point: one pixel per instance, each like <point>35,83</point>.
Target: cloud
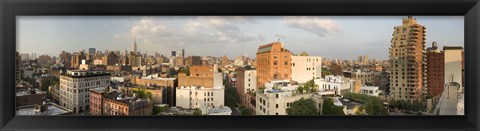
<point>312,24</point>
<point>262,37</point>
<point>205,31</point>
<point>280,36</point>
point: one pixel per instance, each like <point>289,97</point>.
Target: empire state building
<point>134,45</point>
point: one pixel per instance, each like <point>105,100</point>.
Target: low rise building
<point>156,82</point>
<point>340,85</point>
<point>193,61</point>
<point>367,78</point>
<point>200,98</point>
<point>277,97</point>
<point>43,109</point>
<point>370,90</point>
<point>224,110</point>
<point>30,96</point>
<point>105,101</point>
<point>349,107</point>
<point>246,82</point>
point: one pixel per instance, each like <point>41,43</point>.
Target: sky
<point>333,37</point>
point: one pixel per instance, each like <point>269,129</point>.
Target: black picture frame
<point>470,9</point>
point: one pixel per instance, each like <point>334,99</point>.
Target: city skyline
<point>327,36</point>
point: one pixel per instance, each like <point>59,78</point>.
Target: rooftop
<point>219,110</point>
<point>198,88</point>
<point>53,109</point>
<point>29,92</point>
<point>98,90</point>
<point>85,73</point>
<point>155,77</point>
<point>452,48</point>
<point>349,103</point>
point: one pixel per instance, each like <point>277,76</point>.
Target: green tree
<point>143,93</point>
<point>300,89</point>
<point>302,107</point>
<point>157,110</point>
<point>197,112</point>
<point>326,72</point>
<point>309,86</point>
<point>230,95</point>
<point>331,109</point>
<point>372,105</point>
<point>406,106</point>
<point>244,111</point>
<point>49,82</point>
<point>185,70</point>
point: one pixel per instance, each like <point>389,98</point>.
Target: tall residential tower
<point>407,60</point>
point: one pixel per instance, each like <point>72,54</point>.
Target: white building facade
<point>250,81</point>
<point>277,97</point>
<point>338,84</point>
<point>276,102</point>
<point>75,85</point>
<point>200,98</point>
<point>453,64</point>
<point>370,90</point>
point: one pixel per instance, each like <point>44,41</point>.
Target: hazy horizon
<point>341,37</point>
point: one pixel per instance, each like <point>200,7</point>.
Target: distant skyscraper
<point>408,60</point>
<point>92,51</point>
<point>174,53</point>
<point>134,45</point>
<point>183,53</point>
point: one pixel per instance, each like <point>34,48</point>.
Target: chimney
<point>32,91</point>
<point>44,107</point>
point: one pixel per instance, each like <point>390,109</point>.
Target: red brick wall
<point>95,103</point>
<point>30,99</point>
<point>435,73</point>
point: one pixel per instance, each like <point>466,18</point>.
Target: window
<point>276,105</point>
<point>276,95</point>
<point>274,62</point>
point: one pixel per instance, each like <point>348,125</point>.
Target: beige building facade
<point>408,60</point>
